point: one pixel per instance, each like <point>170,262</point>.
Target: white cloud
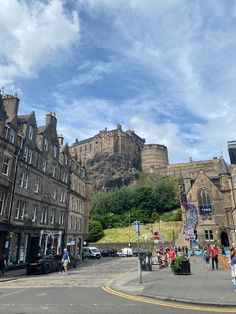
<point>34,34</point>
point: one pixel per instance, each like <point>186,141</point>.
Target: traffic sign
<point>137,225</point>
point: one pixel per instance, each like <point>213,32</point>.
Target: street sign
<point>137,226</point>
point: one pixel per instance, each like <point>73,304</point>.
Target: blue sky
<point>163,68</point>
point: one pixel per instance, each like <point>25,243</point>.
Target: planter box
<point>184,269</point>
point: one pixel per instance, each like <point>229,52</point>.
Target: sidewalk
<point>206,287</point>
<point>12,274</point>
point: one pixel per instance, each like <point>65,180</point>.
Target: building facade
<point>35,186</point>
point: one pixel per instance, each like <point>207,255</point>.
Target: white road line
<point>15,292</point>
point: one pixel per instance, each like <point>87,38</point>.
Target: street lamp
<point>138,227</point>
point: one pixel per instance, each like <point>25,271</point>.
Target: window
<point>55,151</point>
<point>24,180</point>
<point>54,193</point>
<point>2,201</point>
<point>28,153</point>
<point>5,165</point>
<point>44,215</point>
<point>71,222</point>
<point>61,218</point>
<point>36,186</point>
<point>53,217</point>
<point>204,203</point>
<point>80,224</point>
<point>31,132</point>
<point>44,166</point>
<point>11,135</point>
<point>20,210</point>
<point>54,171</point>
<point>208,235</point>
<point>46,144</point>
<point>66,159</point>
<point>35,210</point>
<point>75,223</point>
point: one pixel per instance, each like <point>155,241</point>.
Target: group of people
<point>211,253</point>
<point>164,256</point>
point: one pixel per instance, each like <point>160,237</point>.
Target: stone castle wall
<point>108,142</point>
<point>153,157</point>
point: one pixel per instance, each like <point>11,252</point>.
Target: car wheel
<point>28,272</point>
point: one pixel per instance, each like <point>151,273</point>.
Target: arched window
<point>204,202</point>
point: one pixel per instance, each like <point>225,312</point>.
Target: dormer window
<point>31,132</point>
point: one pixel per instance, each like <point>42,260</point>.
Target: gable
<point>201,182</point>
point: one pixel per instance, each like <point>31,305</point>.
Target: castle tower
<point>154,156</point>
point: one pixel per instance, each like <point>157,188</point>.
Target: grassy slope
<point>166,229</point>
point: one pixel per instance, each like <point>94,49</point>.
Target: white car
<point>120,253</point>
<point>125,252</point>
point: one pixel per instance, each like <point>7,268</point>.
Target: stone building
<point>36,199</point>
<point>78,208</point>
<point>8,149</point>
<point>209,216</point>
<point>108,142</point>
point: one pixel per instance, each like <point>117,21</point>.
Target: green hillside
<point>166,229</point>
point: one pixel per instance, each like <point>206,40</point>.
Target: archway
<point>224,239</point>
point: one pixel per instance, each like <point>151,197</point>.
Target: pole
<point>129,228</point>
<point>139,260</point>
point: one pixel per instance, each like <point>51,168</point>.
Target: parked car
<point>140,251</point>
<point>72,264</point>
<point>91,252</point>
<point>125,252</point>
<point>42,264</point>
<point>120,253</point>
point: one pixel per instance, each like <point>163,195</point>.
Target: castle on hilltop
<point>208,187</point>
<point>128,143</point>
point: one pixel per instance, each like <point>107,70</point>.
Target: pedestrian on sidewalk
<point>66,260</point>
<point>233,267</point>
<point>2,265</point>
<point>206,256</point>
<point>214,256</point>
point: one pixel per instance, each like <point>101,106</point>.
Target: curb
<point>187,301</point>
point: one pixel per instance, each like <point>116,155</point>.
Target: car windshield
<point>94,250</point>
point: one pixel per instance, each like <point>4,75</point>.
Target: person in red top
<point>171,254</point>
<point>214,256</point>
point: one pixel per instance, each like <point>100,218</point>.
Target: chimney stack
<point>11,105</point>
<point>61,139</point>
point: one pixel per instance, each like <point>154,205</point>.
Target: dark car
<point>140,251</point>
<point>72,264</point>
<point>42,264</point>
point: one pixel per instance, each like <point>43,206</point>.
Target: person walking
<point>2,265</point>
<point>65,260</point>
<point>233,267</point>
<point>214,256</point>
<point>206,257</point>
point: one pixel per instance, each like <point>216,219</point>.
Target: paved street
<point>80,292</point>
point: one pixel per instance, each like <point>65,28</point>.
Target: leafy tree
<point>95,230</point>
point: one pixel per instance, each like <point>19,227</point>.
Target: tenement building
<point>35,189</point>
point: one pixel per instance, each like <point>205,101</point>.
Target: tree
<point>95,230</point>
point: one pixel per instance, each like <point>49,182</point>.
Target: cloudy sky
<point>163,68</point>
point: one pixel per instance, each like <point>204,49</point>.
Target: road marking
<point>106,287</point>
<point>5,295</point>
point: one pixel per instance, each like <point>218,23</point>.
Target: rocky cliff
<point>107,172</point>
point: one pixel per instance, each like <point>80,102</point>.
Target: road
<point>79,292</point>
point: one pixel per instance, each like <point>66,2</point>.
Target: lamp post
<point>138,227</point>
